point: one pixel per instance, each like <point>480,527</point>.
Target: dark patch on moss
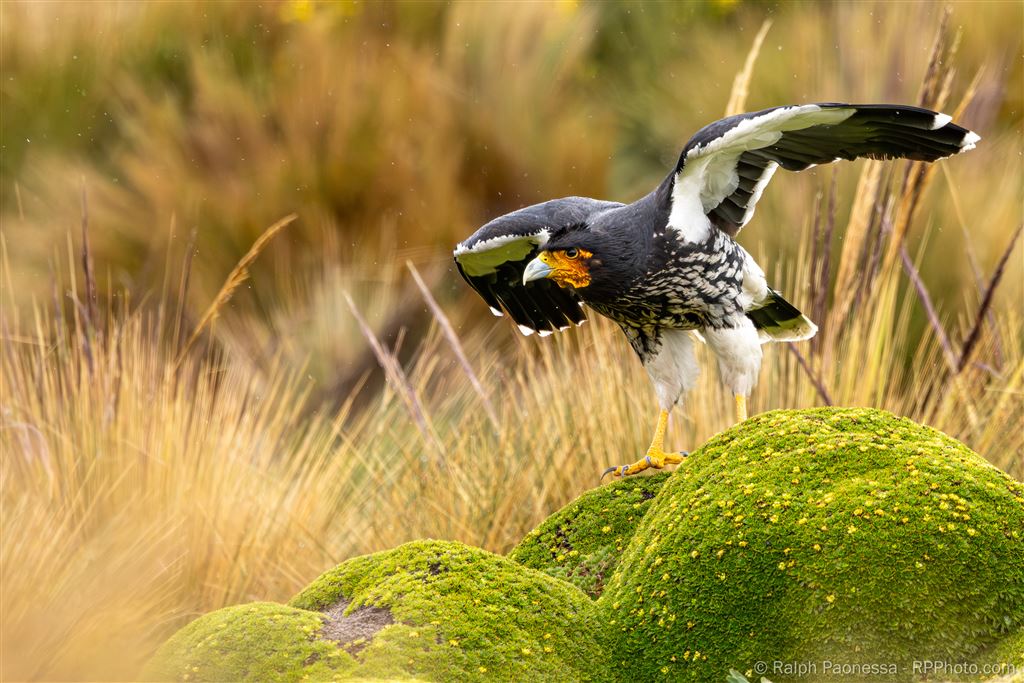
<point>843,534</point>
<point>354,631</point>
<point>582,542</point>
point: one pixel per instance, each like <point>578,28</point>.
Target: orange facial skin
<point>569,267</point>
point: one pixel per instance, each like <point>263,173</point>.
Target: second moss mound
<point>261,641</point>
<point>461,613</point>
<point>582,542</point>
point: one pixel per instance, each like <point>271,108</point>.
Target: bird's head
<point>580,259</point>
<point>568,267</point>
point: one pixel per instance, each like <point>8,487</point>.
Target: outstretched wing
<point>493,259</point>
<point>725,167</point>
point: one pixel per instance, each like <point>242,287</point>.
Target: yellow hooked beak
<point>538,268</point>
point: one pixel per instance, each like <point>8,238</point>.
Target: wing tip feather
<point>969,141</point>
<point>940,120</point>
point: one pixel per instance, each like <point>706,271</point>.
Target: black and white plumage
<point>668,263</point>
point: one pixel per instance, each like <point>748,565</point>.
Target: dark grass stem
<point>986,302</point>
<point>821,259</point>
<point>819,386</point>
<point>933,316</point>
<point>972,260</point>
<point>87,266</point>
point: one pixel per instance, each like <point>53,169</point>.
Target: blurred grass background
<point>143,483</point>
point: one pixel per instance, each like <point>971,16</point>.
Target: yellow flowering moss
<point>850,561</point>
<point>454,613</point>
<point>582,542</point>
<point>259,641</point>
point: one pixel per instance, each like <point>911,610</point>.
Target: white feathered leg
<point>673,370</point>
<point>738,350</point>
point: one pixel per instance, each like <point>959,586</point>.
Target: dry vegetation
<point>171,444</point>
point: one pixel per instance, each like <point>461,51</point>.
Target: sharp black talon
<point>622,471</point>
<point>608,471</point>
<point>684,454</point>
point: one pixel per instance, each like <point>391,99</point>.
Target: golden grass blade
<point>970,93</point>
<point>935,89</point>
<point>939,60</point>
<point>741,84</point>
<point>238,275</point>
<point>858,229</point>
<point>453,341</point>
<point>400,382</point>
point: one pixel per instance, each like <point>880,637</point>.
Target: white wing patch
<point>485,256</point>
<point>688,217</point>
<point>755,196</point>
<point>709,172</point>
<point>766,129</point>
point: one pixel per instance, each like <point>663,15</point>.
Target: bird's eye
<point>571,253</point>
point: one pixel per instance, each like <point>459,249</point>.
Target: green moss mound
<point>261,641</point>
<point>582,542</point>
<point>846,535</point>
<point>461,613</point>
<point>428,610</point>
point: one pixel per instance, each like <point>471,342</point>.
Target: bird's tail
<point>778,320</point>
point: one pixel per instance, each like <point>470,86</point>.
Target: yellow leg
<point>655,457</point>
<point>741,407</point>
<point>659,432</point>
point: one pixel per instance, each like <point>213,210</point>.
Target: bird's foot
<point>655,458</point>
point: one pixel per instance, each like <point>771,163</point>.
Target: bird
<point>667,267</point>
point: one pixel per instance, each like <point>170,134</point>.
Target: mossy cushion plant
<point>847,535</point>
<point>261,641</point>
<point>427,610</point>
<point>462,613</point>
<point>583,541</point>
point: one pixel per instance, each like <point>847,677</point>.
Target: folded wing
<point>492,261</point>
<point>725,167</point>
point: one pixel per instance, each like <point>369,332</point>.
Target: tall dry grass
<point>144,482</point>
<point>139,492</point>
